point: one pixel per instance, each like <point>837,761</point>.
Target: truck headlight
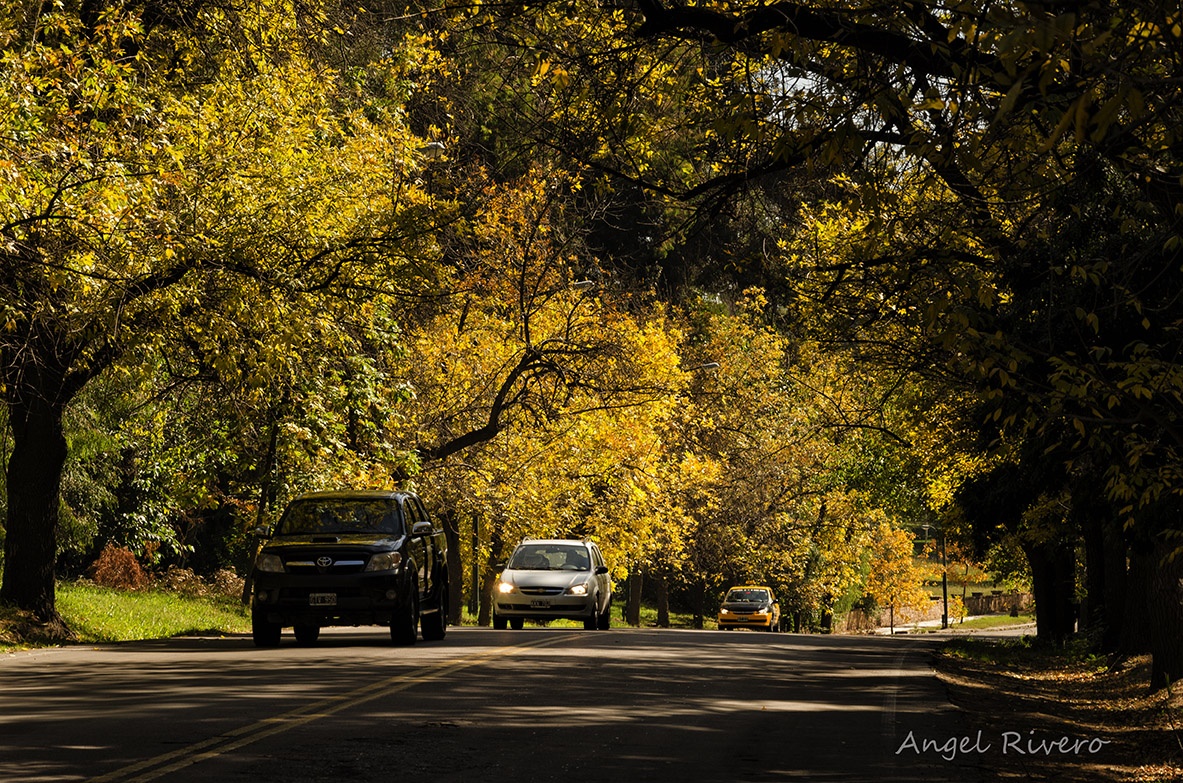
<point>384,561</point>
<point>268,563</point>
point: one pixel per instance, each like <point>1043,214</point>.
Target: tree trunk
<point>1102,613</point>
<point>698,598</point>
<point>1164,607</point>
<point>1135,627</point>
<point>662,586</point>
<point>1053,583</point>
<point>455,566</point>
<point>1092,607</point>
<point>489,576</point>
<point>636,580</point>
<point>34,486</point>
<point>266,501</point>
<point>1115,566</point>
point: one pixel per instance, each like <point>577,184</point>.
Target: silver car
<point>552,579</point>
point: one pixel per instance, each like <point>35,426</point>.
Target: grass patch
<point>1024,653</point>
<point>987,622</point>
<point>101,614</point>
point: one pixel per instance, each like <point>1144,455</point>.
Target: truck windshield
<point>322,515</point>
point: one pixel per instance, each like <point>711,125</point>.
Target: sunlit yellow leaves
<point>208,207</point>
<point>894,579</point>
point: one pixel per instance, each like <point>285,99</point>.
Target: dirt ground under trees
<point>1003,687</point>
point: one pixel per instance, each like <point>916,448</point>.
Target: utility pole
<point>944,583</point>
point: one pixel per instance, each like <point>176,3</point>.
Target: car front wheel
<point>592,623</point>
<point>265,634</point>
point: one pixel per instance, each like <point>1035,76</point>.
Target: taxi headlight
<point>580,589</point>
<point>268,563</point>
<point>384,561</point>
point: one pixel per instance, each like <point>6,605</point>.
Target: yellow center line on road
<point>172,761</point>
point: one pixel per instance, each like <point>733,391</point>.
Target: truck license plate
<point>322,599</point>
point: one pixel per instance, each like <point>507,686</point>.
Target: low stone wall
<point>998,603</point>
<point>858,621</point>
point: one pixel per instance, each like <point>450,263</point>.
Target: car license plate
<point>322,599</point>
<point>539,604</point>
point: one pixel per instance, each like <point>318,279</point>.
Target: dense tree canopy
<point>1001,215</point>
<point>743,291</point>
<point>172,184</point>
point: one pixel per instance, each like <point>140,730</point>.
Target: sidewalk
<point>955,628</point>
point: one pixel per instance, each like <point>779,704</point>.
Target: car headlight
<point>505,587</point>
<point>384,561</point>
<point>577,590</point>
<point>724,611</point>
<point>269,563</point>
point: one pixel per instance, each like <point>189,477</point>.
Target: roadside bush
<point>118,567</point>
<point>184,581</point>
<point>227,582</point>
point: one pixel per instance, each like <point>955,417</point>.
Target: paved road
<point>533,705</point>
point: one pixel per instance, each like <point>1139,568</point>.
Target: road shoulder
<point>1117,730</point>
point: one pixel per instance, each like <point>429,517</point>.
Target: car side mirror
<point>601,569</point>
<point>261,532</point>
<point>422,529</point>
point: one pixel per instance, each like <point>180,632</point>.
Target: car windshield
<point>751,596</point>
<point>550,557</point>
<point>340,515</point>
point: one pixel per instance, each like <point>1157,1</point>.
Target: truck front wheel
<point>265,634</point>
<point>404,625</point>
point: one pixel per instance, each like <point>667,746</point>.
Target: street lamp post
<point>944,583</point>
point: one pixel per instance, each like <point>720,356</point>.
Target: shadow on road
<point>539,704</point>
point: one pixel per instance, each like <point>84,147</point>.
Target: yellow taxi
<point>749,606</point>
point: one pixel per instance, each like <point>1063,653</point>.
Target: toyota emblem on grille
<point>324,562</point>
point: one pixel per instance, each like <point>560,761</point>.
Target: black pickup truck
<point>351,558</point>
